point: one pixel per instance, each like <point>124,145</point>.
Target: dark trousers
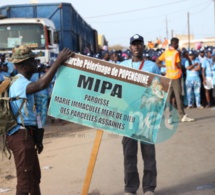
<point>176,91</point>
<point>26,162</point>
<point>131,177</point>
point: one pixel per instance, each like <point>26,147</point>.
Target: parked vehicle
<point>46,28</point>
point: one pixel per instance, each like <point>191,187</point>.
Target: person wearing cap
<point>201,55</point>
<point>172,60</point>
<point>207,76</point>
<point>105,55</point>
<point>20,139</point>
<point>131,176</point>
<point>114,57</point>
<point>193,81</point>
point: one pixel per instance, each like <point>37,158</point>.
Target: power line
<point>148,18</point>
<point>202,9</point>
<point>124,12</point>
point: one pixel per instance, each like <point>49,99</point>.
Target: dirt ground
<point>185,163</point>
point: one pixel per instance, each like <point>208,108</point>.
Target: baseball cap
<point>191,52</point>
<point>202,50</point>
<point>21,53</point>
<point>136,37</point>
<point>209,50</point>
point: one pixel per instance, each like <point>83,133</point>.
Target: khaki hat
<point>21,53</point>
<point>4,85</point>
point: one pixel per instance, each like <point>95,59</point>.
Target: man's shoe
<point>185,118</point>
<point>129,193</point>
<point>149,193</point>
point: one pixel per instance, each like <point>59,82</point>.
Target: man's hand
<point>204,82</point>
<point>64,55</point>
<point>39,148</point>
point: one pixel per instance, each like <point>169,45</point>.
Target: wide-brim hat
<point>21,53</point>
<point>4,85</point>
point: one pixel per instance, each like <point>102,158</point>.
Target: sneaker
<point>149,193</point>
<point>208,105</point>
<point>200,107</point>
<point>185,118</point>
<point>129,193</point>
<point>189,107</point>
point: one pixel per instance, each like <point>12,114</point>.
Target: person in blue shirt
<point>213,71</point>
<point>184,57</point>
<point>5,70</point>
<point>1,77</point>
<point>11,68</point>
<point>201,56</point>
<point>41,97</point>
<point>51,86</point>
<point>193,81</point>
<point>207,76</point>
<point>131,177</point>
<point>25,139</point>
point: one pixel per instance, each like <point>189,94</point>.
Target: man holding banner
<point>130,146</point>
<point>25,138</point>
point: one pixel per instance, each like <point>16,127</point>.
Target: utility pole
<point>214,16</point>
<point>167,33</point>
<point>172,33</point>
<point>188,26</point>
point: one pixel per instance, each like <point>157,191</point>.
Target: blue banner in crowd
<point>111,97</point>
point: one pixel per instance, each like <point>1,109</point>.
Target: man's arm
<point>197,67</point>
<point>179,65</point>
<point>44,81</point>
<point>159,63</point>
<point>213,67</point>
<point>204,76</point>
<point>192,66</point>
<point>203,72</point>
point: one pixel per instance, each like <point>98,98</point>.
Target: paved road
<point>186,162</point>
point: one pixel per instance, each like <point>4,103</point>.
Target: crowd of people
<point>198,71</point>
<point>198,74</point>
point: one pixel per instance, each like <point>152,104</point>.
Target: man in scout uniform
<point>131,177</point>
<point>25,139</point>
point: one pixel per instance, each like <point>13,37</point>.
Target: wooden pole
<point>92,162</point>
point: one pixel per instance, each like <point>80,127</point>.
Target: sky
<point>120,19</point>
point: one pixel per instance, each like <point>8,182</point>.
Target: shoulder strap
<point>141,65</point>
<point>24,100</point>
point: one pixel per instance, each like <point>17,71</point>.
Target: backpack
<point>7,118</point>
